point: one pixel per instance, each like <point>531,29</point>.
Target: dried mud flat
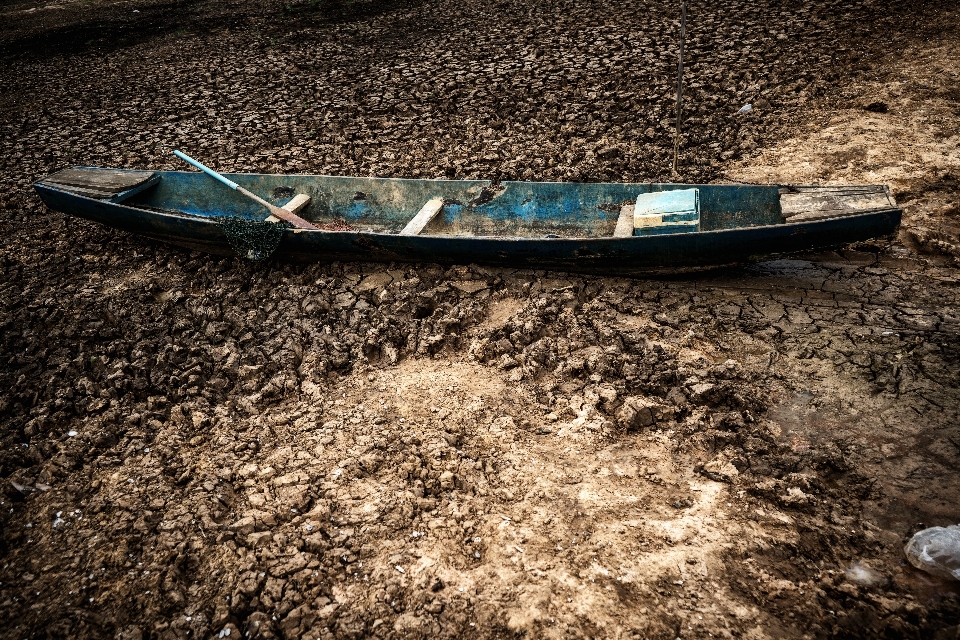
<point>193,445</point>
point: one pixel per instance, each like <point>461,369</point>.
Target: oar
<point>283,214</point>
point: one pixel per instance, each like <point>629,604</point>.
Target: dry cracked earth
<point>198,447</point>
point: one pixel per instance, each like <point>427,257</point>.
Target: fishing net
<point>254,240</point>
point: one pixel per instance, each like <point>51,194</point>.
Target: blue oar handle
<point>207,170</point>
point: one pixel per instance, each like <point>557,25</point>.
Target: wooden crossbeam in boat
<point>298,202</point>
<point>423,218</point>
<point>624,222</point>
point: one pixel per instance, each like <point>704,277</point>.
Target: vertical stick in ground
<point>683,35</point>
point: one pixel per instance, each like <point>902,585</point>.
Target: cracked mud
<point>193,445</point>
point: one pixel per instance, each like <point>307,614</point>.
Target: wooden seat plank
<point>821,202</point>
<point>296,204</point>
<point>423,218</point>
<point>624,222</point>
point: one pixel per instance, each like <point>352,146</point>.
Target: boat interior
<point>476,207</point>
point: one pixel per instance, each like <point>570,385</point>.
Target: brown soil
<point>194,445</point>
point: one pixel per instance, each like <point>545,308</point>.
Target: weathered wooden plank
<point>835,200</point>
<point>624,222</point>
<point>100,179</point>
<point>423,218</point>
<point>105,194</point>
<point>143,186</point>
<point>849,188</point>
<point>298,202</point>
<point>80,191</point>
<point>807,216</point>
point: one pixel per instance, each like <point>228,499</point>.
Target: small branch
<point>683,35</point>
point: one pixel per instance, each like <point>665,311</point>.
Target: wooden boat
<point>586,227</point>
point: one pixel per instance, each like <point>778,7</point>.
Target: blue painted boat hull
<point>739,223</point>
